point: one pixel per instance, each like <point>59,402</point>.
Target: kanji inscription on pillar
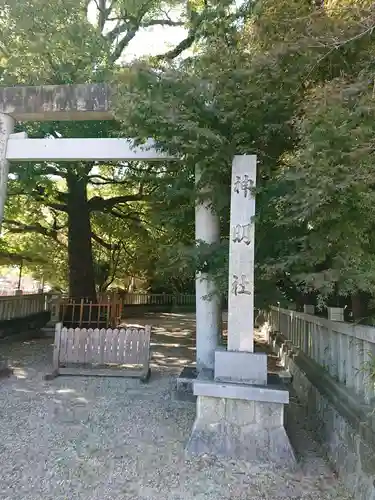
<point>239,285</point>
<point>241,255</point>
<point>243,184</point>
<point>241,233</point>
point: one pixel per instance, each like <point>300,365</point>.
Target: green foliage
<point>63,42</point>
<point>332,173</point>
<point>293,83</point>
<point>50,43</point>
<point>290,81</point>
<point>205,111</point>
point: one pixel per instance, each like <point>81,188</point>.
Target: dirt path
<point>87,438</point>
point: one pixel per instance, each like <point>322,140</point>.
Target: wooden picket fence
<point>102,352</point>
<point>83,313</point>
<point>20,306</point>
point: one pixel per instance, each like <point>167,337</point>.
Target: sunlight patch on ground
<point>19,373</point>
<point>66,390</point>
<point>131,325</point>
<point>173,315</point>
<point>153,344</point>
<point>81,400</point>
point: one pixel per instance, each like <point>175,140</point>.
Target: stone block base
<point>241,367</point>
<point>184,384</point>
<point>251,430</point>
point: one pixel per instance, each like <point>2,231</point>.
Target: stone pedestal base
<point>241,367</point>
<point>248,427</point>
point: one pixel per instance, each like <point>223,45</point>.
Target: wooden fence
<point>104,352</point>
<point>20,306</point>
<point>81,313</point>
<point>103,314</point>
<point>159,299</point>
<point>345,350</point>
<point>108,312</point>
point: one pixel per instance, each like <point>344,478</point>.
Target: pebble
<point>91,438</point>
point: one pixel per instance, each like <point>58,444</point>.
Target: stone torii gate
<point>238,414</point>
<point>93,102</point>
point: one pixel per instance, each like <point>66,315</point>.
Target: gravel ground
<point>114,438</point>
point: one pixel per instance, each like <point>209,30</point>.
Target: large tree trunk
<point>81,266</point>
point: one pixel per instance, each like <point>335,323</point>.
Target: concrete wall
<point>341,421</point>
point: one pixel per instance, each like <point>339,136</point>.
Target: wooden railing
<point>108,311</point>
<point>345,350</point>
<point>142,299</point>
<point>19,306</point>
<point>84,313</point>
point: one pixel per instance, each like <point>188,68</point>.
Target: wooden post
<point>98,317</point>
<point>90,310</point>
<point>112,310</point>
<point>55,308</point>
<point>81,314</point>
<point>73,310</point>
<point>56,349</point>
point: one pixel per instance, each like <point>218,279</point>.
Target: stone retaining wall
<point>342,423</point>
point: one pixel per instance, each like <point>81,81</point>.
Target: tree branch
<point>119,214</point>
<point>161,22</point>
<point>130,25</point>
<point>122,44</point>
<point>99,204</point>
<point>103,243</point>
<point>103,13</point>
<point>196,22</point>
<point>40,169</point>
<point>19,227</point>
<point>57,206</point>
<point>118,30</point>
<point>176,51</point>
<point>50,170</point>
<point>115,257</point>
<point>60,207</point>
<point>105,180</point>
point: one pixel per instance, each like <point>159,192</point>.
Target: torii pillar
<point>208,300</point>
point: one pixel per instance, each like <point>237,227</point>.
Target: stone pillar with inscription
<point>238,414</point>
<point>239,363</point>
